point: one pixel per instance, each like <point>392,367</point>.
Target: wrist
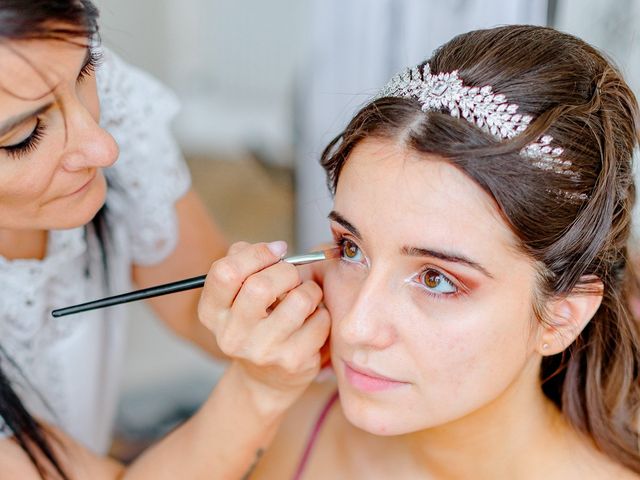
<point>266,401</point>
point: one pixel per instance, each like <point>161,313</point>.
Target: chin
<point>383,417</point>
<point>387,420</point>
<point>374,419</point>
<point>399,413</point>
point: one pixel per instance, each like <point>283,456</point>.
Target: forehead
<point>393,194</point>
<point>30,69</point>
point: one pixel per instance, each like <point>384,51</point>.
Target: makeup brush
<point>181,285</point>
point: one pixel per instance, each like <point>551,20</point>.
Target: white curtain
<point>356,46</point>
<point>614,28</point>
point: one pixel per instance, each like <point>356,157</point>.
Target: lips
<point>368,380</point>
<point>83,186</point>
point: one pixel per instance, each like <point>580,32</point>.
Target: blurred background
<point>264,86</point>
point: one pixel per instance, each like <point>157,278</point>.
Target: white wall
<point>231,62</point>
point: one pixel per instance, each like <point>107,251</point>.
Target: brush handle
<point>167,288</point>
<point>179,286</point>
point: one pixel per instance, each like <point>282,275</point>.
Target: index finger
<point>226,276</point>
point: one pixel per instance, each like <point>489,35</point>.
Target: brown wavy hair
<point>574,227</point>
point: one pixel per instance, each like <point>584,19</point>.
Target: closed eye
<point>93,61</point>
<point>28,144</point>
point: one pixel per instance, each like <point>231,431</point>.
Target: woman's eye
<point>90,67</point>
<point>28,144</point>
<point>436,282</point>
<point>350,251</point>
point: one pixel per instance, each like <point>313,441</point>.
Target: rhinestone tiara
<point>478,105</point>
<point>481,107</point>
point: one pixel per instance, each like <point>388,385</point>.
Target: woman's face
<point>431,303</point>
<point>52,149</point>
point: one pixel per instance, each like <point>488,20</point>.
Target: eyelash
<point>90,67</point>
<point>342,240</point>
<point>28,144</point>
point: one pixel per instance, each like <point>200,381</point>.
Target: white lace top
<point>72,364</point>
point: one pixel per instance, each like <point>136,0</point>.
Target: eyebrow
<point>416,251</point>
<point>336,217</point>
<point>15,121</point>
<point>446,256</point>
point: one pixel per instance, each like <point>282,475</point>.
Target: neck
<point>518,435</point>
<point>23,244</point>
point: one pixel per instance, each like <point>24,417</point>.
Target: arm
<point>269,320</point>
<point>200,243</point>
<point>275,349</point>
<point>223,441</point>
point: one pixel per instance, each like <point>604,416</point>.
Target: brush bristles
<point>332,253</point>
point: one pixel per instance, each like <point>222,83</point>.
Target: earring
<point>545,346</point>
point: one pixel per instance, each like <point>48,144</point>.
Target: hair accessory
<point>481,107</point>
<point>547,158</point>
<point>478,105</point>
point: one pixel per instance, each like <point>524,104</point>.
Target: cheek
<point>341,287</point>
<point>337,291</point>
<point>25,181</point>
<point>26,184</point>
<point>471,355</point>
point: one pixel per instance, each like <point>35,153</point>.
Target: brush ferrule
<point>305,258</point>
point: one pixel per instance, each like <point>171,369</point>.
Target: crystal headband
<point>481,107</point>
<point>478,105</point>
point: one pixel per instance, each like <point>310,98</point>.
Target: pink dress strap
<point>314,435</point>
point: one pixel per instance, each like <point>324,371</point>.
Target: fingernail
<point>277,248</point>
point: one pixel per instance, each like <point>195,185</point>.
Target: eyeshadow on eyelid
<point>19,134</point>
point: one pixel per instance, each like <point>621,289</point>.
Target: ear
<point>568,315</point>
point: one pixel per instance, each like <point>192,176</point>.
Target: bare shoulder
<point>286,450</point>
<point>75,460</point>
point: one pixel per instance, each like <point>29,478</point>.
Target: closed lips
<point>370,373</point>
<point>83,185</point>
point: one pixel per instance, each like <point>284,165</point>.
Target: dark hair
<point>41,19</point>
<point>574,226</point>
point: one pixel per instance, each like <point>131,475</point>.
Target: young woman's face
<point>431,303</point>
<point>52,148</point>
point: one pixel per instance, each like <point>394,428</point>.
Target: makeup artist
<point>75,224</point>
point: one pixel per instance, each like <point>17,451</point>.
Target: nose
<point>88,145</point>
<point>368,323</point>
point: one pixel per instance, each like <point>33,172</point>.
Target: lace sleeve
<point>150,174</point>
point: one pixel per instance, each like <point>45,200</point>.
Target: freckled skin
<point>457,353</point>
